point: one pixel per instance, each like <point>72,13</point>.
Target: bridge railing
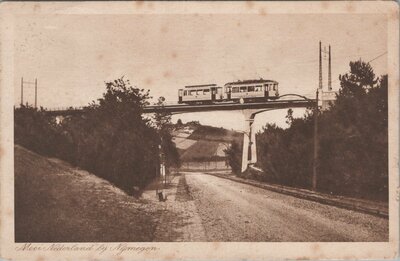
<point>70,108</point>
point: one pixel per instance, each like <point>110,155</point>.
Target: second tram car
<point>240,91</point>
<point>206,93</point>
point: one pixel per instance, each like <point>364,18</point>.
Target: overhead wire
<point>377,57</point>
<point>373,59</point>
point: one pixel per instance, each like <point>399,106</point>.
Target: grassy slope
<point>204,132</point>
<point>208,140</point>
<point>201,150</point>
<point>56,203</point>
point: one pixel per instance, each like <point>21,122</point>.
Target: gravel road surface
<point>231,211</point>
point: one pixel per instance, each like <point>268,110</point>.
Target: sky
<point>73,55</point>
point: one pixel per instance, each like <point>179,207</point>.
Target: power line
<point>379,56</point>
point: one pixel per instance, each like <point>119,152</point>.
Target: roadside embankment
<point>56,202</point>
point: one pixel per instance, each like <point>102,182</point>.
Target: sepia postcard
<point>186,130</point>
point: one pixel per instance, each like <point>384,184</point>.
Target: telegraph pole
<point>320,66</point>
<point>315,161</point>
<point>22,91</point>
<point>329,71</point>
<point>35,93</point>
<point>316,109</point>
<point>320,86</point>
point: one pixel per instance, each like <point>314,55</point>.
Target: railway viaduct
<point>249,111</point>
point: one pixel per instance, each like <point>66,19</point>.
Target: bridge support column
<point>249,155</point>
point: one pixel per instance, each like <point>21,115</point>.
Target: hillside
<point>204,143</point>
<point>55,202</point>
<point>204,132</point>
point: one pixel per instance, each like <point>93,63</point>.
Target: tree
<point>114,141</point>
<point>354,136</point>
<point>357,82</point>
<point>233,157</point>
<point>162,120</point>
<point>35,130</point>
<point>353,141</point>
<point>289,117</point>
<point>110,139</point>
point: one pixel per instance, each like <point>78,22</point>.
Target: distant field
<point>202,150</point>
<point>206,143</point>
<point>183,143</point>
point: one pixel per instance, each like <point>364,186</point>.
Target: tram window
<point>258,88</point>
<point>206,92</point>
<point>251,88</point>
<point>235,89</point>
<point>184,93</point>
<point>193,92</point>
<point>274,87</point>
<point>243,89</point>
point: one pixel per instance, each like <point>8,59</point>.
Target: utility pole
<point>315,161</point>
<point>320,66</point>
<point>35,93</point>
<point>320,86</point>
<point>329,71</point>
<point>22,91</point>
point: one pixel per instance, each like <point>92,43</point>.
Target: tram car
<point>251,90</point>
<point>200,94</point>
<point>240,91</point>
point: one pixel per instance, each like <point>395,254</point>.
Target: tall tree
<point>234,158</point>
<point>354,141</point>
<point>289,117</point>
<point>353,138</point>
<point>162,120</point>
<point>357,82</point>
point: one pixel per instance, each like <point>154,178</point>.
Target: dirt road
<point>232,211</point>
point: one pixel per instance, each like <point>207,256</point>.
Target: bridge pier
<point>249,155</point>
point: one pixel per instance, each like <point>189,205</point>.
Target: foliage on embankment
<point>110,139</point>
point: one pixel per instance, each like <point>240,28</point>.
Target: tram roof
<point>201,85</point>
<point>251,81</point>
